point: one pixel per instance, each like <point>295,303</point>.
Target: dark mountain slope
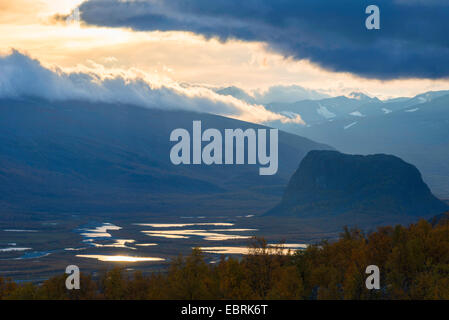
<point>87,157</point>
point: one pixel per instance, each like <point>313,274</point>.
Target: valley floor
<point>35,250</point>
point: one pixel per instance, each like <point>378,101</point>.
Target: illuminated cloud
<point>21,76</point>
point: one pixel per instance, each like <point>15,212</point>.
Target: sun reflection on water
<point>183,225</point>
<point>106,258</point>
<point>183,234</point>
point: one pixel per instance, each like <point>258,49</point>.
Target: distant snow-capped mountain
<point>415,129</point>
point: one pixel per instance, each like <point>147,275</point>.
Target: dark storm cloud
<point>413,40</point>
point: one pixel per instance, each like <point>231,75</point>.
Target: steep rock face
<point>329,183</point>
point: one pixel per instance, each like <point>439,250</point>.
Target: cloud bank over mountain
<point>21,76</point>
<point>287,94</point>
<point>412,41</point>
<point>279,94</point>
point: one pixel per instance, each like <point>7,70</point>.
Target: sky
<point>322,46</point>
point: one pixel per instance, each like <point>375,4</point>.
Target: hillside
<point>84,157</point>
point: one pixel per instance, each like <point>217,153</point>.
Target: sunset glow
<point>32,27</point>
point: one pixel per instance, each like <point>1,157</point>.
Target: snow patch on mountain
<point>350,125</point>
<point>359,96</point>
<point>289,114</point>
<point>357,114</point>
<point>422,100</point>
<point>323,111</point>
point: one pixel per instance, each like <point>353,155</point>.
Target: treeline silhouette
<point>413,262</point>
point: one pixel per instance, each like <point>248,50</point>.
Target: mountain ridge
<point>80,156</point>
